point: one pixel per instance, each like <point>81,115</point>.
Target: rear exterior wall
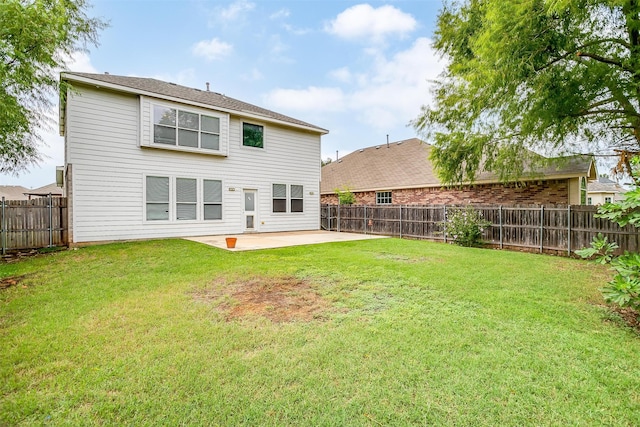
<point>536,192</point>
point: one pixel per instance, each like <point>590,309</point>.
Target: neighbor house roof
<point>174,92</point>
<point>406,164</point>
<point>604,185</point>
<point>45,190</point>
<point>13,192</point>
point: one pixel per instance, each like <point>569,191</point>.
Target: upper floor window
<point>252,135</point>
<point>607,199</point>
<point>383,198</point>
<point>172,126</point>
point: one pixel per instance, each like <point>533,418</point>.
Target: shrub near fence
<point>36,223</point>
<point>558,229</point>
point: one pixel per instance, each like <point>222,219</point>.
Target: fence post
<point>444,224</point>
<point>338,227</point>
<point>3,228</point>
<point>50,221</point>
<point>541,226</point>
<point>365,219</point>
<point>569,230</point>
<point>500,219</point>
<point>401,221</point>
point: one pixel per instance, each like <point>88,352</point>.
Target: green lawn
<point>382,332</point>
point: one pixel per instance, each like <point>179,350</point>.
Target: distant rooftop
<point>406,164</point>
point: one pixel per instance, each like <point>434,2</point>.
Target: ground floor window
<point>293,198</point>
<point>170,198</point>
<point>383,197</point>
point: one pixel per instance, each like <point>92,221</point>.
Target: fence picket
<point>559,229</point>
<point>36,223</point>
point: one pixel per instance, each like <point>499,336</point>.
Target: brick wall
<point>535,192</point>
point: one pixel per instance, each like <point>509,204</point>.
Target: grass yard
<point>379,332</point>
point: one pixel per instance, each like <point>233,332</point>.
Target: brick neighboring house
<point>400,173</point>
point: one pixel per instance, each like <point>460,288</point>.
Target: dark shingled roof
<point>172,90</point>
<point>406,164</point>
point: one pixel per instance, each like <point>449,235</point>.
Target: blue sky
<point>359,69</point>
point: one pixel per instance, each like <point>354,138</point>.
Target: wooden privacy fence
<point>560,229</point>
<point>29,224</point>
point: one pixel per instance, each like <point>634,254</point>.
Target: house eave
<point>465,184</point>
<point>119,88</point>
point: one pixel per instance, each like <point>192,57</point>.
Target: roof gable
<point>172,91</point>
<point>406,164</point>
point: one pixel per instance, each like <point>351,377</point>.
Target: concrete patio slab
<point>254,241</point>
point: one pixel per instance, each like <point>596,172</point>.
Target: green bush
<point>345,196</point>
<point>465,226</point>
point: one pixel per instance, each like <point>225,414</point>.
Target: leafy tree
<point>345,195</point>
<point>545,75</point>
<point>325,162</point>
<point>35,38</point>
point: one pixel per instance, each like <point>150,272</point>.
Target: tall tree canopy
<point>36,36</point>
<point>558,75</point>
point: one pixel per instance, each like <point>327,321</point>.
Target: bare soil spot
<point>630,316</point>
<point>279,299</point>
<point>8,282</point>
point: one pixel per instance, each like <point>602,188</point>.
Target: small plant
<point>624,288</point>
<point>601,248</point>
<point>345,196</point>
<point>465,226</point>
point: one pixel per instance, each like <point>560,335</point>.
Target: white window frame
<point>384,195</point>
<point>144,201</point>
<point>173,199</point>
<point>204,203</point>
<point>264,135</point>
<point>291,199</point>
<point>197,203</point>
<point>223,124</point>
<point>286,198</point>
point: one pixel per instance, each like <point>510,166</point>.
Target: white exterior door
<point>250,210</point>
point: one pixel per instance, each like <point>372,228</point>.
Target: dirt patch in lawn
<point>279,299</point>
<point>630,317</point>
<point>8,282</point>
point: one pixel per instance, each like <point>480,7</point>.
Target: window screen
<point>297,202</point>
<point>212,198</point>
<point>279,198</point>
<point>186,198</point>
<point>157,192</point>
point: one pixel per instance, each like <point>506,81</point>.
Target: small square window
<point>383,198</point>
<point>252,135</point>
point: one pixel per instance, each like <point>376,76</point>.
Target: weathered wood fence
<point>29,224</point>
<point>557,229</point>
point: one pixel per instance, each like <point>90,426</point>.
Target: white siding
<point>109,167</point>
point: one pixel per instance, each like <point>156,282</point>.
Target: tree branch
<point>578,50</point>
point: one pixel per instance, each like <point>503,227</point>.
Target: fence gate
<point>31,224</point>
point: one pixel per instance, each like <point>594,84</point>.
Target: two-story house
<point>148,159</point>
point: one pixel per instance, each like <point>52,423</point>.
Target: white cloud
<point>186,77</point>
<point>365,22</point>
<point>235,10</point>
<point>252,76</point>
<point>80,63</point>
<point>310,99</point>
<point>341,74</point>
<point>282,13</point>
<point>212,49</point>
<point>389,94</point>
